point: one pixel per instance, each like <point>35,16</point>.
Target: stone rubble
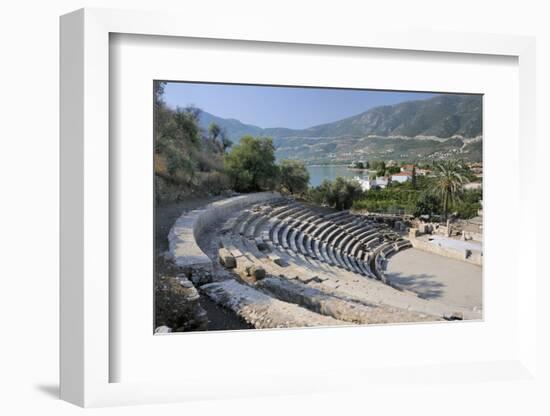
<point>177,305</point>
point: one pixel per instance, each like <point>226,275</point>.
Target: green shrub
<point>251,166</point>
<point>294,176</point>
<point>340,193</point>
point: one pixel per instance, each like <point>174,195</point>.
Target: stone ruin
<point>279,263</point>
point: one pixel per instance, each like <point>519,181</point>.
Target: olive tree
<point>294,176</point>
<point>251,166</point>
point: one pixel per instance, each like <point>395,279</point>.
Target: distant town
<point>405,172</point>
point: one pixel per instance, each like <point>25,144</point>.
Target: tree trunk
<point>445,205</point>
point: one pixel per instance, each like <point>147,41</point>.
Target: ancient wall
<point>469,235</point>
<point>182,238</point>
<point>474,257</point>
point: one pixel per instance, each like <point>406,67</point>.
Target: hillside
<point>347,149</point>
<point>233,128</point>
<point>442,116</point>
<point>445,126</point>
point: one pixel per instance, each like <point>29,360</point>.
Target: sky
<point>291,107</point>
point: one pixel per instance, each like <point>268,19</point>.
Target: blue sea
<point>317,174</point>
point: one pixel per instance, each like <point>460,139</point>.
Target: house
<point>366,184</point>
<point>407,168</point>
<point>473,186</point>
<point>401,177</point>
<point>476,169</point>
<point>381,181</point>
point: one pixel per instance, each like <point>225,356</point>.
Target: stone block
<point>454,316</point>
<point>278,261</point>
<point>261,244</point>
<point>227,259</point>
<point>163,330</point>
<point>255,271</point>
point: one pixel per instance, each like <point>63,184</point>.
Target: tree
<point>413,180</point>
<point>345,191</point>
<point>161,114</point>
<point>392,170</point>
<point>158,91</point>
<point>214,131</point>
<point>226,143</point>
<point>218,137</point>
<point>427,204</point>
<point>449,183</point>
<point>185,160</point>
<point>187,128</point>
<point>251,165</point>
<point>340,193</point>
<point>177,145</point>
<point>380,167</point>
<point>294,176</point>
<point>469,203</point>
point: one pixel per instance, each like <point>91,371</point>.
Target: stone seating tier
<point>352,242</point>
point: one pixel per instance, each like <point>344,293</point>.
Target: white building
<point>381,181</point>
<point>368,184</point>
<point>401,177</point>
<point>472,186</point>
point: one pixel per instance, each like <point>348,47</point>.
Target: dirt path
<point>166,214</point>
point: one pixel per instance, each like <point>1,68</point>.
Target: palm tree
<point>449,183</point>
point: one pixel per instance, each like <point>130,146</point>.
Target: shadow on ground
<point>51,390</point>
<point>422,284</point>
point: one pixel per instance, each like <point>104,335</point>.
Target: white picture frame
<point>85,210</point>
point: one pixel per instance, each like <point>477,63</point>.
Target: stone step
<point>263,311</point>
<point>316,300</point>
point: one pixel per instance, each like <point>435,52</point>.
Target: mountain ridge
<point>443,116</point>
